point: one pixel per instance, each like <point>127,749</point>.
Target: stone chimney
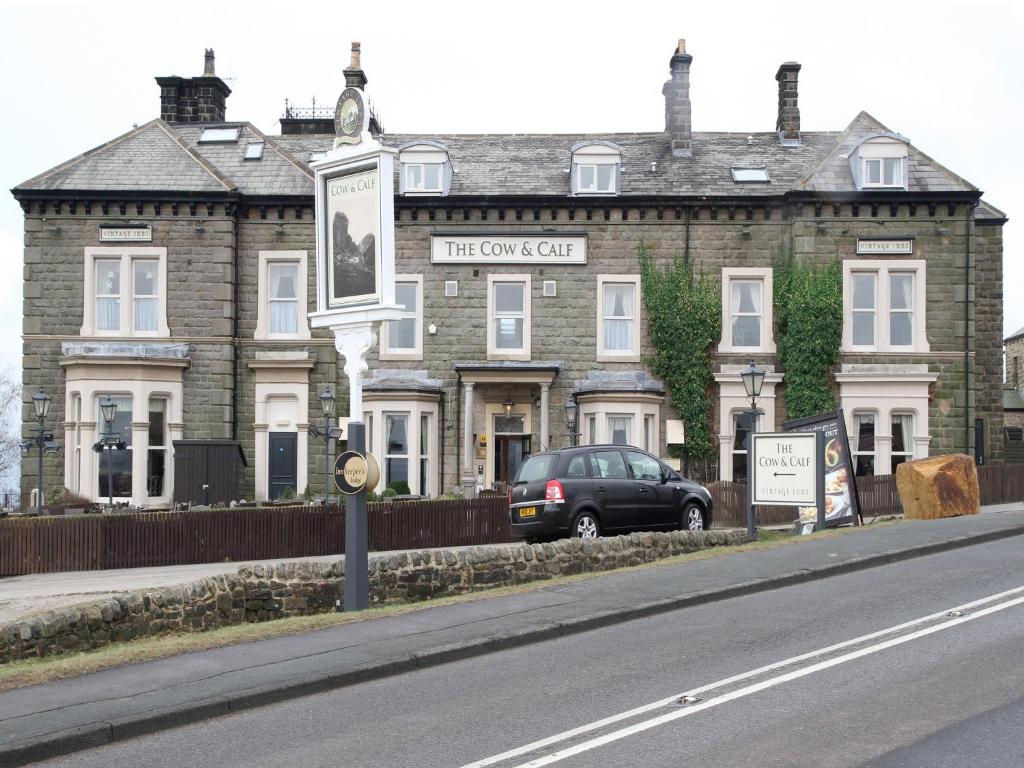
<point>354,75</point>
<point>788,122</point>
<point>194,99</point>
<point>677,101</point>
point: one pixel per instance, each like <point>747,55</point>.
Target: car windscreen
<point>535,469</point>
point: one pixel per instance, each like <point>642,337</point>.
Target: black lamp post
<point>753,379</point>
<point>571,410</point>
<point>327,407</point>
<point>43,440</point>
<point>109,441</point>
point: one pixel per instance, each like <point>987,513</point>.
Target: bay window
<point>862,443</point>
<point>115,465</point>
<point>396,450</point>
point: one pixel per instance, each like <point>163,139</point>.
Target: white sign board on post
<point>785,468</point>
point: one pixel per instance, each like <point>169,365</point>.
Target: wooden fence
<point>97,542</point>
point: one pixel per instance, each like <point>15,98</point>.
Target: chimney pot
<point>208,70</point>
<point>681,48</point>
<point>194,99</point>
<point>355,56</point>
<point>354,75</point>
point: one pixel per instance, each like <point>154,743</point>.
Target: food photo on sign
<point>840,499</point>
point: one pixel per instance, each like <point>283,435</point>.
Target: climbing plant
<point>684,321</point>
<point>808,331</point>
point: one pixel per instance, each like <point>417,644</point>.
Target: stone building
<point>172,268</point>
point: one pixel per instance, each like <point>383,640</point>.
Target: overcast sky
<point>948,76</point>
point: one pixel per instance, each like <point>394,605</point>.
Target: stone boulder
<point>941,486</point>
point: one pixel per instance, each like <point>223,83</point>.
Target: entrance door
<point>283,465</point>
<point>509,453</point>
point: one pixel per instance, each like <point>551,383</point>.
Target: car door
<point>654,506</point>
<point>613,488</point>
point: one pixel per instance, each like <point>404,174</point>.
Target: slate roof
<point>160,156</point>
<point>1015,335</point>
<point>151,157</point>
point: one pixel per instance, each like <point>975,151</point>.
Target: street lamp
<point>571,409</point>
<point>110,440</point>
<point>753,379</point>
<point>327,407</point>
<point>43,441</point>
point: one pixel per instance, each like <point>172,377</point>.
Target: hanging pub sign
<point>840,501</point>
<point>353,234</point>
<point>355,471</point>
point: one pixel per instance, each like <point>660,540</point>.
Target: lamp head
<point>753,379</point>
<point>570,411</point>
<point>41,402</point>
<point>327,402</point>
<point>109,409</point>
<point>507,405</point>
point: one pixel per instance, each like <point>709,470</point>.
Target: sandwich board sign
<point>840,503</point>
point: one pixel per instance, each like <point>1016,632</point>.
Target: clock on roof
<point>350,117</point>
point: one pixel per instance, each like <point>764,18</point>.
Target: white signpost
<point>785,468</point>
<point>355,278</point>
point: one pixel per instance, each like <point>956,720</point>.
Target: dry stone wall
<point>263,593</point>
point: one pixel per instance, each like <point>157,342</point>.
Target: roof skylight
<point>220,135</point>
<point>254,150</point>
<point>749,174</point>
<point>317,154</point>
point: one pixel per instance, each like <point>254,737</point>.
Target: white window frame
<point>493,352</point>
<point>873,311</point>
<point>595,188</point>
<point>592,155</point>
<point>909,447</point>
<point>262,331</point>
<point>883,304</point>
<point>631,355</point>
<point>165,449</point>
<point>855,452</point>
<point>897,182</point>
<point>136,296</point>
<point>422,188</point>
<point>388,352</point>
<point>734,414</point>
<point>409,456</point>
<point>748,274</point>
<point>125,256</point>
<point>378,404</point>
<point>644,411</point>
<point>139,484</point>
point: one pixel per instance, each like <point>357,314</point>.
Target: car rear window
<point>535,469</point>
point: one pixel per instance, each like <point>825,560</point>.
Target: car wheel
<point>585,526</point>
<point>693,517</point>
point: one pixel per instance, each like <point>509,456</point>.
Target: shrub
<point>400,487</point>
<point>388,493</point>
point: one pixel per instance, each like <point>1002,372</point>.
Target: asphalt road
<point>944,691</point>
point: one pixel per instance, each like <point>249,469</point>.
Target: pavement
<point>66,716</point>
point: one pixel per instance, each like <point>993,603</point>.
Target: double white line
<point>955,616</point>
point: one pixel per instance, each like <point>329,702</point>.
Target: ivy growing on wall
<point>684,321</point>
<point>808,331</point>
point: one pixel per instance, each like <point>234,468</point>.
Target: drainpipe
<point>458,430</point>
<point>686,251</point>
<point>968,217</point>
<point>234,325</point>
<point>440,444</point>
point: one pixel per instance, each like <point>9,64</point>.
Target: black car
<point>595,489</point>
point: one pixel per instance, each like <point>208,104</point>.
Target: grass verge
<point>32,671</point>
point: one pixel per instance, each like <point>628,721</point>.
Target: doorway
<point>282,467</point>
<point>509,453</point>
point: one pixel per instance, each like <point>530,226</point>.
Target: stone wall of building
<point>262,593</point>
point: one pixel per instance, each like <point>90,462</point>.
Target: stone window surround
<point>140,379</point>
<point>377,404</point>
<point>638,405</point>
<point>416,353</point>
<point>493,353</point>
<point>300,258</point>
<point>126,255</point>
<point>732,399</point>
<point>887,390</point>
<point>764,274</point>
<point>624,356</point>
<point>881,268</point>
<point>279,377</point>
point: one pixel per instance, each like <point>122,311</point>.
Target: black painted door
<point>283,465</point>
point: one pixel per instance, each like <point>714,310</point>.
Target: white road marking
<point>676,714</point>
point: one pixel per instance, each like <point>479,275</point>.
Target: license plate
<point>527,512</point>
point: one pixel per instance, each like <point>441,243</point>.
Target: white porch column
<point>468,475</point>
<point>544,414</point>
<point>175,431</point>
<point>140,463</point>
<point>89,467</point>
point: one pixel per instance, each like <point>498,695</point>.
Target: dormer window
<point>596,168</point>
<point>881,161</point>
<point>426,169</point>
